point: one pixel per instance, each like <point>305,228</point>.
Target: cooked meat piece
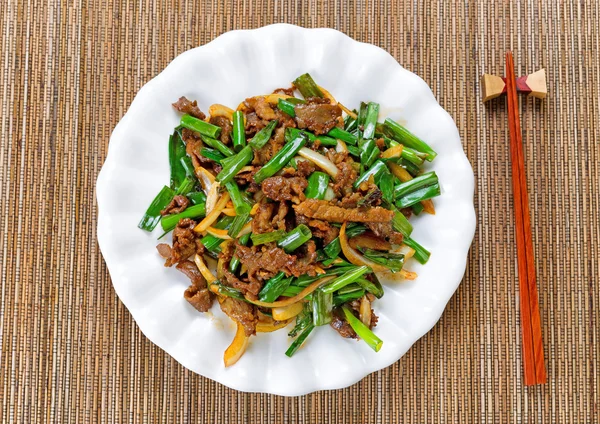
<point>407,212</point>
<point>252,287</point>
<point>279,221</point>
<point>305,168</point>
<point>385,230</point>
<point>253,123</point>
<point>262,108</point>
<point>226,128</point>
<point>380,144</point>
<point>317,116</point>
<point>262,219</point>
<point>201,299</point>
<point>351,200</point>
<point>246,177</point>
<point>308,252</point>
<point>197,294</point>
<point>185,243</point>
<point>373,196</point>
<point>183,105</point>
<point>264,154</point>
<point>266,260</point>
<point>288,91</point>
<point>323,230</point>
<point>345,179</point>
<point>241,312</point>
<point>325,211</point>
<point>339,324</point>
<point>281,188</point>
<point>177,205</point>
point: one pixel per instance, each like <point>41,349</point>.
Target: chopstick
<point>531,330</point>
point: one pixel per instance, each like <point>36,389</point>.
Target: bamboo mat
<point>70,351</point>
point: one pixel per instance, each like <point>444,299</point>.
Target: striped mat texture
<point>70,351</point>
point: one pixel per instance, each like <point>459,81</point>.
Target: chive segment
<point>152,215</point>
<point>322,303</point>
<point>169,222</point>
<point>363,331</point>
<point>217,144</point>
<point>280,159</point>
<point>299,340</point>
<point>348,277</point>
<point>295,238</point>
<point>262,137</point>
<point>317,185</point>
<point>198,125</point>
<point>239,131</point>
<point>274,287</point>
<point>421,254</point>
<point>176,154</point>
<point>233,164</point>
<point>307,86</point>
<point>396,131</point>
<point>266,237</point>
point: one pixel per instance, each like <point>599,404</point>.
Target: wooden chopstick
<point>531,330</point>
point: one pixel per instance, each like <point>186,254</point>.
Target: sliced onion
<point>212,196</point>
<point>370,241</point>
<point>329,194</point>
<point>328,95</point>
<point>428,206</point>
<point>274,98</point>
<point>408,252</point>
<point>268,325</point>
<point>365,311</point>
<point>222,234</point>
<point>290,300</point>
<point>399,172</point>
<point>228,211</point>
<point>393,152</point>
<point>220,110</point>
<point>237,347</point>
<point>286,312</point>
<point>319,160</point>
<point>354,257</point>
<point>213,215</point>
<point>348,111</point>
<point>206,178</point>
<point>209,276</point>
<point>341,147</point>
<point>254,209</point>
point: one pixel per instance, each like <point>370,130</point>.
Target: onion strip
<point>399,172</point>
<point>220,110</point>
<point>212,196</point>
<point>213,215</point>
<point>290,300</point>
<point>356,258</point>
<point>228,211</point>
<point>209,276</point>
<point>237,347</point>
<point>270,325</point>
<point>222,234</point>
<point>286,312</point>
<point>328,95</point>
<point>365,311</point>
<point>393,152</point>
<point>348,111</point>
<point>319,160</point>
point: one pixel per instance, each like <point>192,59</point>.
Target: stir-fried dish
<point>301,202</point>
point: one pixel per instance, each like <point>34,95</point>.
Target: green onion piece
<point>362,113</point>
<point>343,135</point>
<point>234,264</point>
<point>307,86</point>
<point>401,224</point>
<point>354,151</point>
<point>369,152</point>
<point>350,124</point>
<point>239,202</point>
<point>417,208</point>
<point>396,131</point>
<point>266,237</point>
<point>176,153</point>
<point>229,291</point>
<point>317,185</point>
<point>292,133</point>
<point>280,159</point>
<point>186,186</point>
<point>239,131</point>
<point>197,197</point>
<point>212,244</point>
<point>335,262</point>
<point>234,164</point>
<point>299,340</point>
<point>412,169</point>
<point>421,254</point>
<point>187,164</point>
<point>169,222</point>
<point>295,238</point>
<point>377,168</point>
<point>292,291</point>
<point>345,279</point>
<point>370,121</point>
<point>363,331</point>
<point>238,223</point>
<point>340,299</point>
<point>373,287</point>
<point>306,280</point>
<point>288,105</point>
<point>224,222</point>
<point>413,156</point>
<point>198,125</point>
<point>393,261</point>
<point>349,288</point>
<point>152,215</point>
<point>353,230</point>
<point>334,248</point>
<point>415,184</point>
<point>303,319</point>
<point>212,154</point>
<point>217,144</point>
<point>424,193</point>
<point>322,304</point>
<point>262,137</point>
<point>385,182</point>
<point>274,287</point>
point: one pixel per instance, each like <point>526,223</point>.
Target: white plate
<point>234,66</point>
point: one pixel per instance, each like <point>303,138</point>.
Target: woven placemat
<point>70,351</point>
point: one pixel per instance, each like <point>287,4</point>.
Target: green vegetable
<point>424,193</point>
<point>322,303</point>
<point>307,86</point>
<point>415,184</point>
<point>262,137</point>
<point>306,280</point>
<point>239,202</point>
<point>169,222</point>
<point>396,131</point>
<point>401,224</point>
<point>369,152</point>
<point>362,330</point>
<point>229,291</point>
<point>299,340</point>
<point>266,237</point>
<point>343,135</point>
<point>176,153</point>
<point>370,121</point>
<point>345,279</point>
<point>233,164</point>
<point>393,261</point>
<point>421,254</point>
<point>274,287</point>
<point>197,197</point>
<point>280,159</point>
<point>234,264</point>
<point>198,125</point>
<point>340,299</point>
<point>212,154</point>
<point>288,105</point>
<point>238,223</point>
<point>375,170</point>
<point>212,244</point>
<point>239,131</point>
<point>373,287</point>
<point>385,182</point>
<point>417,208</point>
<point>334,248</point>
<point>317,185</point>
<point>186,186</point>
<point>292,133</point>
<point>295,238</point>
<point>217,144</point>
<point>302,321</point>
<point>152,215</point>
